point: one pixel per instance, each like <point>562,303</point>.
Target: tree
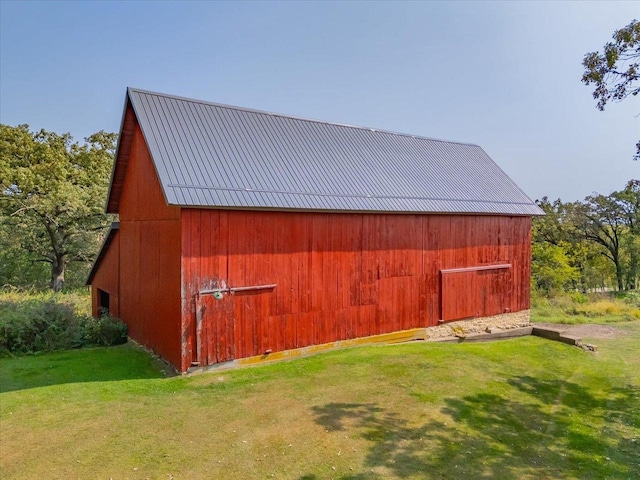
<point>615,71</point>
<point>552,227</point>
<point>600,219</point>
<point>17,268</point>
<point>559,256</point>
<point>629,203</point>
<point>52,193</point>
<point>550,267</point>
<point>583,245</point>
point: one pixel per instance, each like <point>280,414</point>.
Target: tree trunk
<point>57,274</point>
<point>620,277</point>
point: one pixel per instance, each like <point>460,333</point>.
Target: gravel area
<point>585,330</point>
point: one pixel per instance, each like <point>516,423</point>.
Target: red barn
<point>245,233</point>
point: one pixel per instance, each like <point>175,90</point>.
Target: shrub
<point>631,297</point>
<point>578,297</point>
<point>105,331</point>
<point>35,326</point>
<point>32,323</point>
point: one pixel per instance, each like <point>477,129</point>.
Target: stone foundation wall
<point>505,321</point>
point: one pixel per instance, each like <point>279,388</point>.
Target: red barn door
<point>475,292</point>
<point>215,330</point>
<point>233,323</point>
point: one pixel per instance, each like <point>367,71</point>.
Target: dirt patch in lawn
<point>584,330</point>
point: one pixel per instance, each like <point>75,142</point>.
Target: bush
<point>632,297</point>
<point>577,297</point>
<point>105,331</point>
<point>32,323</point>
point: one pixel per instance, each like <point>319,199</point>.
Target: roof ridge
<point>294,117</point>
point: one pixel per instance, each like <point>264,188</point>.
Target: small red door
<point>234,325</point>
<point>215,329</point>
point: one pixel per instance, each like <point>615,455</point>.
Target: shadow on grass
<point>334,416</point>
<point>102,364</point>
<point>555,429</point>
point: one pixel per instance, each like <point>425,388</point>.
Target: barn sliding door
<point>215,329</point>
<point>234,323</point>
<point>475,292</point>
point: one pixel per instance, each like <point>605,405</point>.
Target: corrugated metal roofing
<point>213,155</point>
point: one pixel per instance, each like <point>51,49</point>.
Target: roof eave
<point>538,213</point>
<point>121,159</point>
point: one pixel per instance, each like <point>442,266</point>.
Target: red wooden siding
<point>475,292</point>
<point>106,279</point>
<point>338,276</point>
<point>149,258</point>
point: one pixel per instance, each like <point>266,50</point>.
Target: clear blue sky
<point>504,75</point>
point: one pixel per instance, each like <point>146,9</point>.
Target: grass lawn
<point>524,408</point>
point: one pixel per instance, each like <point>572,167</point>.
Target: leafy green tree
<point>600,219</point>
<point>631,260</point>
<point>17,268</point>
<point>552,268</point>
<point>629,203</point>
<point>52,193</point>
<point>616,71</point>
<point>597,271</point>
<point>555,227</point>
<point>582,245</point>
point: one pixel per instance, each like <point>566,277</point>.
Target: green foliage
<point>578,308</point>
<point>631,297</point>
<point>551,268</point>
<point>561,258</point>
<point>578,297</point>
<point>105,331</point>
<point>35,326</point>
<point>32,323</point>
<point>588,245</point>
<point>17,267</point>
<point>52,193</point>
<point>616,71</point>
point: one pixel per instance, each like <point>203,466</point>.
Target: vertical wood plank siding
<point>107,280</point>
<point>340,276</point>
<point>149,258</point>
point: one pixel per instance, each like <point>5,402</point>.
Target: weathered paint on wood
<point>341,275</point>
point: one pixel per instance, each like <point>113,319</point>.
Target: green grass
<point>123,362</point>
<point>525,408</point>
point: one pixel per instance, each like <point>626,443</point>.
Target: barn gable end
<point>146,255</point>
<point>244,233</point>
<point>104,277</point>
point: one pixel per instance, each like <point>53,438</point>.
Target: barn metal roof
<point>214,155</point>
